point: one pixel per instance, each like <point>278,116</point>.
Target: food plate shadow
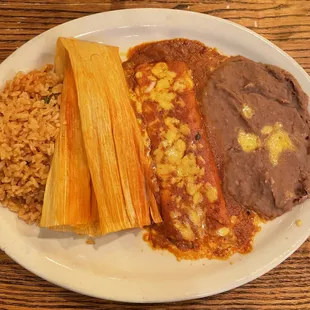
<point>45,233</point>
<point>109,238</point>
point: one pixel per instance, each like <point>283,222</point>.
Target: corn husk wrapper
<point>114,148</point>
<point>69,201</point>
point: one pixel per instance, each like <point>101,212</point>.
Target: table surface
<point>285,23</point>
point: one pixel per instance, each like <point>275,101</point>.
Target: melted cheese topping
<point>185,230</point>
<point>249,142</point>
<point>278,142</point>
<point>211,193</point>
<point>223,232</point>
<point>163,98</point>
<point>247,111</point>
<point>266,130</point>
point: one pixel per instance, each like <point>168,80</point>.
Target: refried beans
<point>259,129</point>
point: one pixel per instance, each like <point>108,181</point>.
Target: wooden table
<point>287,24</point>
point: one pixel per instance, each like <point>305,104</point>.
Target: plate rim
<point>14,255</point>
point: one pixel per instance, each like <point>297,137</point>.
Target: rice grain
<point>29,124</point>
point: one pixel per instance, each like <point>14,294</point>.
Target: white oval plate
<point>121,266</point>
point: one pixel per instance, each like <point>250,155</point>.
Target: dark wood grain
<point>285,23</point>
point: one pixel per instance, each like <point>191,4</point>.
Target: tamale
<point>69,203</point>
<point>113,142</point>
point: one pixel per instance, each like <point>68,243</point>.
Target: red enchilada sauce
<point>166,81</point>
